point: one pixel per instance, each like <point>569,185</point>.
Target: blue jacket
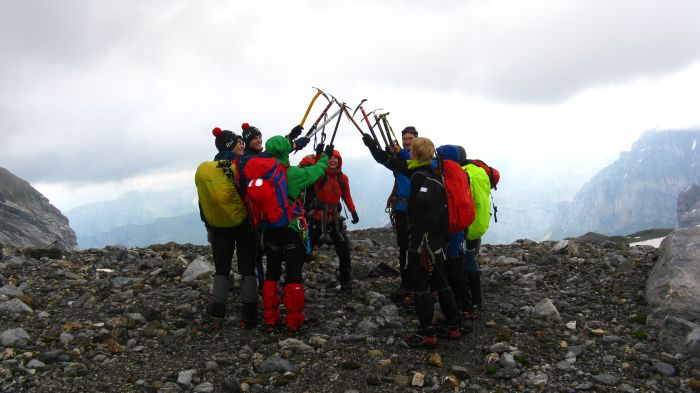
<point>403,184</point>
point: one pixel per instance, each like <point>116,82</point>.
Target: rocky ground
<point>567,316</point>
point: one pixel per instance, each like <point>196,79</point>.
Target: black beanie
<point>410,130</point>
<point>225,139</point>
<point>249,132</point>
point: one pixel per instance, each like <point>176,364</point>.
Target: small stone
<point>508,360</point>
<point>664,369</point>
<point>385,362</point>
<point>450,382</point>
<point>113,346</point>
<point>571,325</point>
<point>460,372</point>
<point>435,360</point>
<point>65,338</point>
<point>563,344</point>
<point>418,379</point>
<point>14,337</point>
<point>606,379</point>
<point>374,352</point>
<point>35,364</point>
<point>212,365</point>
<point>694,385</point>
<point>204,387</point>
<point>185,377</point>
<point>598,332</point>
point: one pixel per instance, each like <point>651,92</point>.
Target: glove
<point>301,143</point>
<point>368,140</point>
<point>355,218</point>
<point>329,151</point>
<point>319,149</point>
<point>295,132</point>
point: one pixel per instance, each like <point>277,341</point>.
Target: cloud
<point>100,91</point>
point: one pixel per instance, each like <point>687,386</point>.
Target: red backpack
<point>263,183</point>
<point>460,205</point>
<point>493,173</point>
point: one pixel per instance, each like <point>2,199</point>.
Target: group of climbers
<point>439,261</point>
<point>249,202</point>
<point>253,202</point>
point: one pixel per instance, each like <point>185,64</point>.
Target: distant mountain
<point>187,228</point>
<point>27,219</point>
<point>96,220</point>
<point>638,191</point>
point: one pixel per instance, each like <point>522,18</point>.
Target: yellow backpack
<point>219,200</point>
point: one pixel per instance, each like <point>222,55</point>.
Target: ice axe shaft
<point>313,130</point>
<point>311,104</point>
<point>381,131</point>
<point>371,130</point>
<point>335,130</point>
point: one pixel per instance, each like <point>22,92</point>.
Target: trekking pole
<point>311,104</point>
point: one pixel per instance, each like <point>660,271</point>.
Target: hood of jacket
<point>452,153</point>
<point>279,147</point>
<point>336,154</point>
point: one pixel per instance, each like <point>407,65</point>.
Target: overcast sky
<point>101,97</point>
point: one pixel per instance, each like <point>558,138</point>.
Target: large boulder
<point>673,287</point>
<point>689,207</point>
<point>27,219</point>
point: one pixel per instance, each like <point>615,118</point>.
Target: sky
<point>98,98</point>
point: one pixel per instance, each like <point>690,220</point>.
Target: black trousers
<point>223,243</point>
<point>338,234</point>
<point>422,280</point>
<point>284,245</point>
<point>402,236</point>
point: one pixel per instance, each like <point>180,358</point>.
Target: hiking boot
<point>408,300</point>
<point>346,286</point>
<point>217,310</point>
<point>471,314</point>
<point>247,324</point>
<point>453,333</point>
<point>416,340</point>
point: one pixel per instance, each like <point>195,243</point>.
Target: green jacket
<point>481,192</point>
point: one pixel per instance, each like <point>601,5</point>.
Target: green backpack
<point>480,184</point>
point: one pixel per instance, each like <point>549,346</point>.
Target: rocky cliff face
<point>689,207</point>
<point>638,191</point>
<point>27,219</point>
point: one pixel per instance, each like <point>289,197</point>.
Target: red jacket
<point>329,191</point>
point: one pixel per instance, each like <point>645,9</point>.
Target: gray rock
<point>546,309</point>
<point>460,372</point>
<point>10,290</point>
<point>367,326</point>
<point>204,387</point>
<point>584,386</point>
<point>688,207</point>
<point>14,306</point>
<point>296,345</point>
<point>673,284</point>
<point>17,337</point>
<point>65,338</point>
<point>28,219</point>
<point>665,369</point>
<point>606,379</point>
<point>170,387</point>
<point>507,360</point>
<point>75,369</point>
<point>35,364</point>
<point>197,268</point>
<point>185,377</point>
<point>679,335</point>
<point>275,364</point>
